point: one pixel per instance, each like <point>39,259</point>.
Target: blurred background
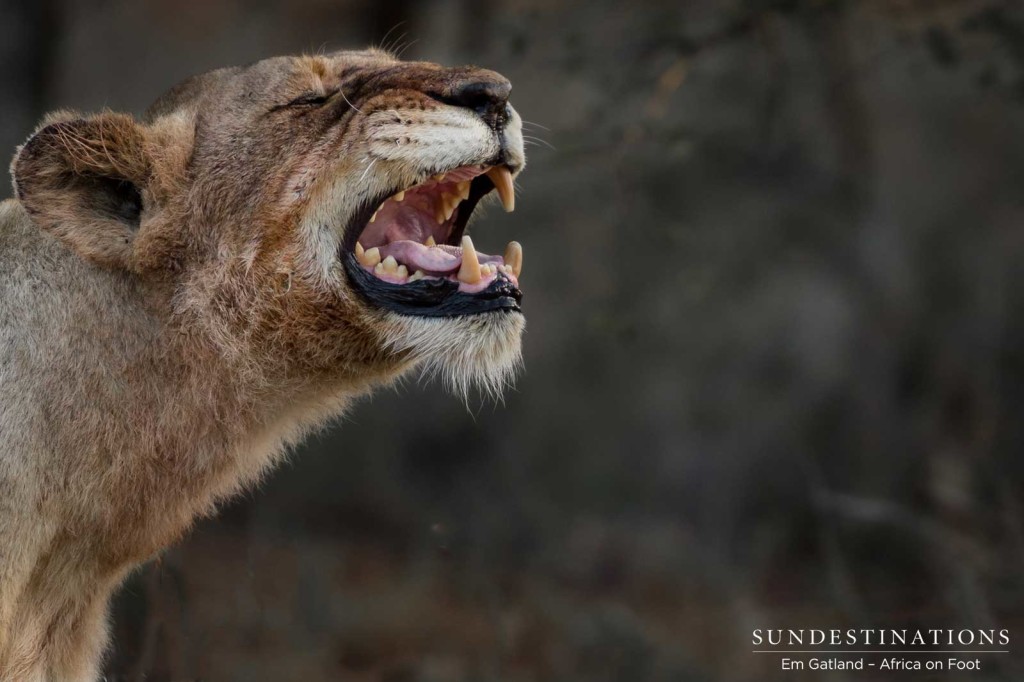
<point>774,360</point>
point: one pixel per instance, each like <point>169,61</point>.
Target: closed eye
<point>309,99</point>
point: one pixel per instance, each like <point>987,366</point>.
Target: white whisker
<point>363,176</point>
<point>401,50</point>
<point>344,97</point>
<point>530,139</point>
<point>384,40</point>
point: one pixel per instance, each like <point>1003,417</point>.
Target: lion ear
<point>82,180</point>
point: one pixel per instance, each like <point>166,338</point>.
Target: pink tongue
<point>419,257</point>
<point>435,260</point>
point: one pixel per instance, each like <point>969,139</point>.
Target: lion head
<point>307,216</point>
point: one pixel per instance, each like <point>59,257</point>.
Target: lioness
<point>184,296</point>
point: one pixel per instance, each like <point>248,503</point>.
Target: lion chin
<point>481,351</point>
<point>186,294</point>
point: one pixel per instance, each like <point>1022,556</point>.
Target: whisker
<point>536,140</point>
<point>363,176</point>
<point>536,125</point>
<point>348,102</point>
<point>384,40</point>
<point>405,47</point>
<point>393,46</point>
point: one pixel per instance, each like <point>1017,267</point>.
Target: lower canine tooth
<point>514,257</point>
<point>469,271</point>
<point>371,258</point>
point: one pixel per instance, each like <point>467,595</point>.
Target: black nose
<point>485,92</point>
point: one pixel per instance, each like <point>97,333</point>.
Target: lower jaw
<point>431,297</point>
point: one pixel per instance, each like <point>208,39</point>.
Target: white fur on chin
<point>482,351</point>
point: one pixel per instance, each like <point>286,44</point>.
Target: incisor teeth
<point>416,276</point>
<point>430,241</point>
<point>487,269</point>
<point>502,179</point>
<point>469,271</point>
<point>514,257</point>
<point>400,196</point>
<point>390,264</point>
<point>371,258</point>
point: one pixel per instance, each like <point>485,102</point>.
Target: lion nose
<point>486,93</point>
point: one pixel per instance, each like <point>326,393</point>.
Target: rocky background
<point>774,366</point>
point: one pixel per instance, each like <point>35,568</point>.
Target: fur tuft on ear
<point>81,179</point>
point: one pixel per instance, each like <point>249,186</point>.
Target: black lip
<point>431,297</point>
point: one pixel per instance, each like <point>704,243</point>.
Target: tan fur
<point>149,371</point>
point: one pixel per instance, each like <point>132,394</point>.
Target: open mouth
<point>409,251</point>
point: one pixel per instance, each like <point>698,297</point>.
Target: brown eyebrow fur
<point>316,64</point>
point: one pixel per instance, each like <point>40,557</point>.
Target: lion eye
<point>309,100</point>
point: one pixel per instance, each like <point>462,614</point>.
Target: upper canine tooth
<point>502,179</point>
<point>430,241</point>
<point>390,264</point>
<point>514,257</point>
<point>450,202</point>
<point>469,271</point>
<point>359,252</point>
<point>400,196</point>
<point>463,189</point>
<point>371,257</point>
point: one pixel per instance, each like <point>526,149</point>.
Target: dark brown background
<point>775,358</point>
